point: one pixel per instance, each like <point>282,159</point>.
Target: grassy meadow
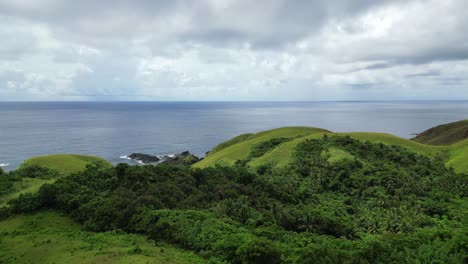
<point>48,237</point>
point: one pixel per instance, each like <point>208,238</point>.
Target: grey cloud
<point>211,46</point>
<point>376,66</point>
<point>361,86</point>
<point>266,24</point>
<point>271,24</point>
<point>15,44</point>
<point>452,80</point>
<point>430,73</point>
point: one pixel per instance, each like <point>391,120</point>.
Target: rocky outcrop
<point>183,158</point>
<point>145,158</point>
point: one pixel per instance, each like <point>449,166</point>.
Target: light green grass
<point>283,154</point>
<point>47,237</point>
<point>456,154</point>
<point>234,140</point>
<point>66,163</point>
<point>338,154</point>
<point>229,155</point>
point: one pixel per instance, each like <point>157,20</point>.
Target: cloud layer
<point>233,50</point>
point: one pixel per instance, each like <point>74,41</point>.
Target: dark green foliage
<point>26,203</point>
<point>382,205</point>
<point>262,148</point>
<point>6,183</point>
<point>35,171</point>
<point>203,231</point>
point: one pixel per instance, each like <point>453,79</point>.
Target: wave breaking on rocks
<point>182,158</point>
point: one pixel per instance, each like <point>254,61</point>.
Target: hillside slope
<point>238,148</point>
<point>456,155</point>
<point>65,163</point>
<point>445,134</point>
<point>29,178</point>
<point>47,237</point>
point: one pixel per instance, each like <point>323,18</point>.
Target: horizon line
<point>226,101</point>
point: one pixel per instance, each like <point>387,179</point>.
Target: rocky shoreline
<point>182,158</point>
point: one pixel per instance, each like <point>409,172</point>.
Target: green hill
<point>458,156</point>
<point>65,163</point>
<point>446,134</point>
<point>239,148</point>
<point>28,178</point>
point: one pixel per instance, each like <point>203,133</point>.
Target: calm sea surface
<point>113,129</point>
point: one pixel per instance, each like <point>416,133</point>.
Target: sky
<point>232,50</point>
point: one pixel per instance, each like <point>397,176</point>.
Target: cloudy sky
<point>233,50</point>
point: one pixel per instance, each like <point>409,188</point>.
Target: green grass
<point>338,154</point>
<point>282,155</point>
<point>66,163</point>
<point>237,151</point>
<point>446,134</point>
<point>26,185</point>
<point>456,154</point>
<point>230,142</point>
<point>47,237</point>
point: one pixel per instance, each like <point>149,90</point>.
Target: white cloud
<point>234,50</point>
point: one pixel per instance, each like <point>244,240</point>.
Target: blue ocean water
<point>114,129</point>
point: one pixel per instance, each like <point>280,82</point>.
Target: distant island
<point>287,195</point>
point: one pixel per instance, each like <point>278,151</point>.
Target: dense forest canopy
<point>340,200</point>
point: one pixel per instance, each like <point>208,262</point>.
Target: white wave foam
<point>128,158</point>
<point>4,164</point>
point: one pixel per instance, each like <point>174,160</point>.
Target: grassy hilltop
<point>65,163</point>
<point>280,155</point>
<point>36,171</point>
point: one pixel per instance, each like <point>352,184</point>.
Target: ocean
<point>114,129</point>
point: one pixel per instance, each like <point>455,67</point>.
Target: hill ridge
<point>239,147</point>
<point>445,134</point>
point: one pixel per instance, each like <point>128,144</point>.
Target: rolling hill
<point>446,134</point>
<point>228,153</point>
<point>65,163</point>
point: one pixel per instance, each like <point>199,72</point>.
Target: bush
<point>35,171</point>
